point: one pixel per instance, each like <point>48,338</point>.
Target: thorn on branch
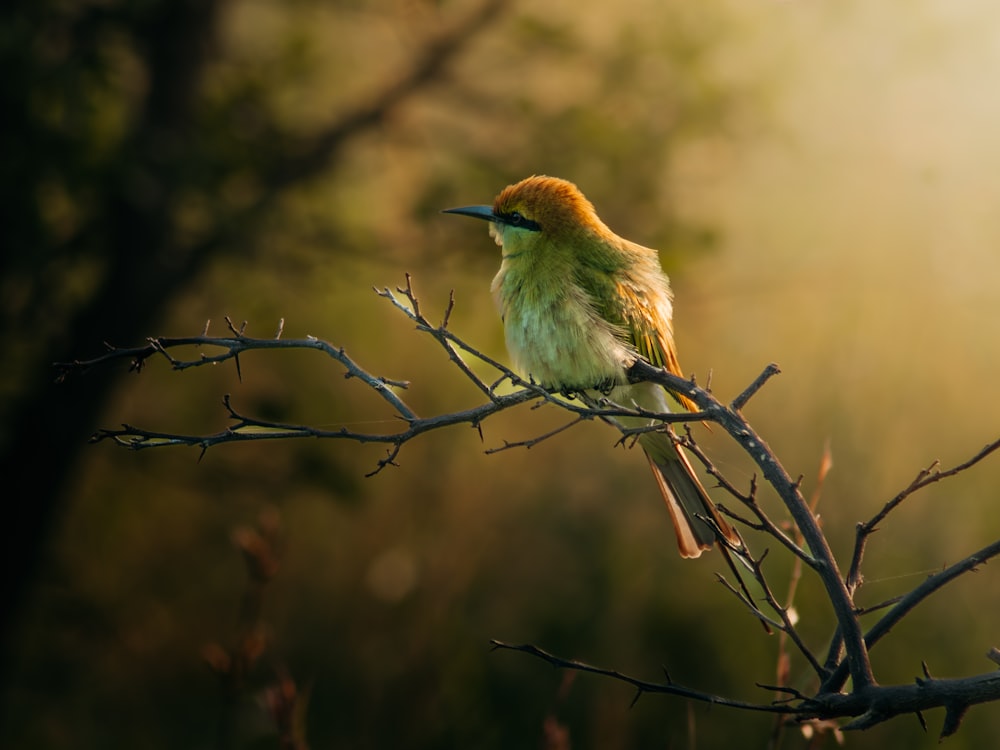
<point>930,470</point>
<point>953,715</point>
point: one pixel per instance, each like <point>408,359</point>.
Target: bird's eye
<point>519,220</point>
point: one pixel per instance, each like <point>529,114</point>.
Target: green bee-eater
<point>579,305</point>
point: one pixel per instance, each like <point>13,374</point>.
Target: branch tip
<point>740,401</point>
<point>447,310</point>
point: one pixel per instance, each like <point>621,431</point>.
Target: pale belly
<point>565,346</point>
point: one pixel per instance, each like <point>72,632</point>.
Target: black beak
<point>476,212</point>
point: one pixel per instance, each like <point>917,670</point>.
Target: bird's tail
<point>689,504</point>
<point>686,498</point>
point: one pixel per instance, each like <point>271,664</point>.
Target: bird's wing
<point>651,331</point>
<point>636,302</point>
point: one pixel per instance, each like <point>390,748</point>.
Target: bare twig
<point>532,442</point>
<point>924,477</point>
<point>740,401</point>
<point>910,600</point>
<point>641,686</point>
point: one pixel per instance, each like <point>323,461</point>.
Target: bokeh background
<point>820,178</point>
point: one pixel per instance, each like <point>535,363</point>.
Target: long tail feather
<point>689,504</point>
<point>686,498</point>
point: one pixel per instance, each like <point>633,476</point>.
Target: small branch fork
<point>867,703</point>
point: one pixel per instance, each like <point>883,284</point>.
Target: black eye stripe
<point>517,219</point>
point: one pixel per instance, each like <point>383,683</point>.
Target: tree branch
<point>909,601</point>
<point>867,703</point>
<point>641,686</point>
<point>825,565</point>
<point>873,705</point>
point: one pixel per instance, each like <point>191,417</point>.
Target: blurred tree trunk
<point>129,225</point>
<point>124,203</point>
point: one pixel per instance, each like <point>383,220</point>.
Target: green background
<point>820,180</point>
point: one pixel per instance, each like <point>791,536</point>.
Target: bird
<point>580,305</point>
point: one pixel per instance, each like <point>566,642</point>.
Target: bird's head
<point>536,208</point>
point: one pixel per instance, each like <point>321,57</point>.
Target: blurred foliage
<point>165,160</point>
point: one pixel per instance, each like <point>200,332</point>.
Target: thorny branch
<point>668,686</point>
<point>924,477</point>
<point>867,702</point>
<point>246,428</point>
